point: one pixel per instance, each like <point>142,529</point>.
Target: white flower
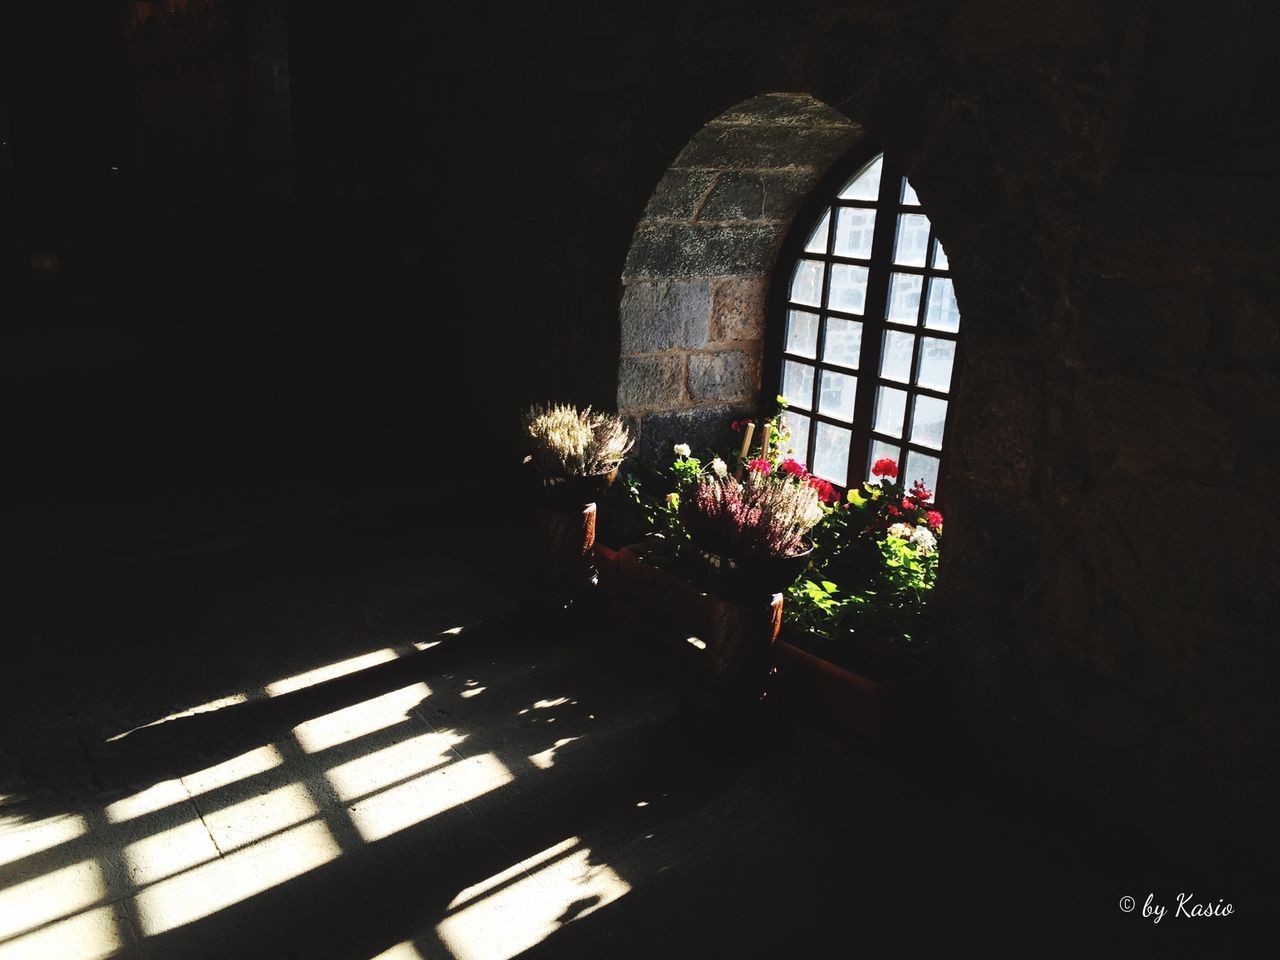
<point>719,467</point>
<point>673,500</point>
<point>682,449</point>
<point>924,540</point>
<point>903,531</point>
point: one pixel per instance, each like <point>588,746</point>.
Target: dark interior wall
<point>465,182</point>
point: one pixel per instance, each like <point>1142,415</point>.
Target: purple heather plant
<point>761,517</point>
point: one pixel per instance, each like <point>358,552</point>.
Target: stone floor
<point>366,749</point>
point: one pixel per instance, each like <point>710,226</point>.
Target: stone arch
<point>697,276</point>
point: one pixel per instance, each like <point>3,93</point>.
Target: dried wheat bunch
<point>566,441</point>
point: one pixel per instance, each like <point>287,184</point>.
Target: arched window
<point>864,329</point>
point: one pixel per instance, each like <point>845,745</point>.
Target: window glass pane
<point>818,239</point>
<point>942,312</point>
<point>802,333</point>
<point>920,466</point>
<point>853,232</point>
<point>798,424</point>
<point>928,417</point>
<point>866,185</point>
<point>843,342</point>
<point>909,197</point>
<point>936,358</point>
<point>891,408</point>
<point>940,261</point>
<point>837,395</point>
<point>831,453</point>
<point>848,288</point>
<point>806,283</point>
<point>895,356</point>
<point>904,298</point>
<point>880,450</point>
<point>912,242</point>
<point>797,383</point>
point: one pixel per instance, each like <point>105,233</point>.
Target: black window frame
<point>888,205</point>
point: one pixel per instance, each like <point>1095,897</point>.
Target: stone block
<point>736,196</point>
<point>700,427</point>
<point>755,147</point>
<point>755,195</point>
<point>794,109</point>
<point>724,375</point>
<point>665,315</point>
<point>738,309</point>
<point>645,383</point>
<point>679,194</point>
<point>672,250</point>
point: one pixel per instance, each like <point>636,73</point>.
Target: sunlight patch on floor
<point>92,935</point>
<point>401,951</point>
<point>254,818</point>
<point>426,796</point>
<point>360,719</point>
<point>330,672</point>
<point>213,705</point>
<point>153,799</point>
<point>383,768</point>
<point>227,881</point>
<point>50,896</point>
<point>169,852</point>
<point>522,906</point>
<point>547,758</point>
<point>240,767</point>
<point>21,840</point>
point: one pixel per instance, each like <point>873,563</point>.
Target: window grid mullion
<point>873,325</point>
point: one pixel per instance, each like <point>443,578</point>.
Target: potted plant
<point>857,625</point>
<point>573,458</point>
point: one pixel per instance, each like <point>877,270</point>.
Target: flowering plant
<point>882,544</point>
<point>762,516</point>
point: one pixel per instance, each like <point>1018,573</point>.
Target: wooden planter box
<point>852,706</point>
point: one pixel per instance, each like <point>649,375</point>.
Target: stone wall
<point>697,275</point>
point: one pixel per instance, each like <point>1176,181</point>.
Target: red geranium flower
<point>826,492</point>
<point>884,467</point>
<point>736,426</point>
<point>908,504</point>
<point>758,466</point>
<point>922,493</point>
<point>935,521</point>
<point>793,467</point>
<point>893,511</point>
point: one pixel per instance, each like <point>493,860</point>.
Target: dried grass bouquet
<point>567,442</point>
